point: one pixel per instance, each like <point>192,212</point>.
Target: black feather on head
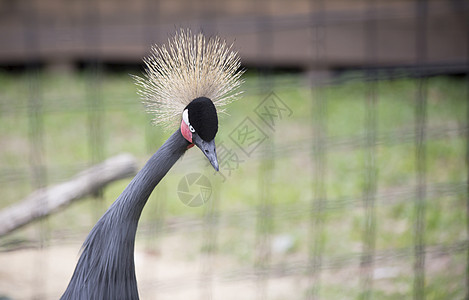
<point>203,117</point>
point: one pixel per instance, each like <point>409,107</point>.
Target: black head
<point>200,125</point>
<point>203,118</point>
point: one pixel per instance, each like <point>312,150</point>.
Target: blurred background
<point>343,168</point>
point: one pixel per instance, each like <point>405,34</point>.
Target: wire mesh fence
<point>332,185</point>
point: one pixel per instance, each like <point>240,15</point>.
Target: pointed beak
<point>208,148</point>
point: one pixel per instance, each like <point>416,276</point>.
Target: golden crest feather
<point>188,67</point>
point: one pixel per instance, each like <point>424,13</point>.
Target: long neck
<point>106,269</point>
<point>134,197</point>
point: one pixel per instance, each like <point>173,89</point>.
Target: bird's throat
<point>186,133</point>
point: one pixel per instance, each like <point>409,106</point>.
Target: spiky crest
<point>188,67</point>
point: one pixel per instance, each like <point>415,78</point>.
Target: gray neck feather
<point>106,268</point>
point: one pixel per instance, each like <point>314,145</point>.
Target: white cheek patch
<point>185,117</point>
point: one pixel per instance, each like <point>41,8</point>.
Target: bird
<point>188,80</point>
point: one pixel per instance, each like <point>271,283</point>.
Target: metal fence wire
<point>299,210</point>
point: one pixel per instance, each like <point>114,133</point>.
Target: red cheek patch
<point>186,133</point>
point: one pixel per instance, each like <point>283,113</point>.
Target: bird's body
<point>199,76</point>
<point>112,276</point>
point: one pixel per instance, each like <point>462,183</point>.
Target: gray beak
<point>208,148</point>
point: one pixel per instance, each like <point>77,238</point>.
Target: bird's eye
<point>191,128</point>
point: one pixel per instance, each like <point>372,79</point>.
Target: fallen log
<point>46,201</point>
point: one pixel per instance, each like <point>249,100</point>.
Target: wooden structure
<point>301,34</point>
<point>46,201</point>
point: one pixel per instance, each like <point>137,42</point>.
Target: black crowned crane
<point>186,80</point>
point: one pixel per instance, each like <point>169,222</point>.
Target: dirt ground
<point>44,274</point>
<point>168,267</point>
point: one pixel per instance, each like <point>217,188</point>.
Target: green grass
<point>75,105</point>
